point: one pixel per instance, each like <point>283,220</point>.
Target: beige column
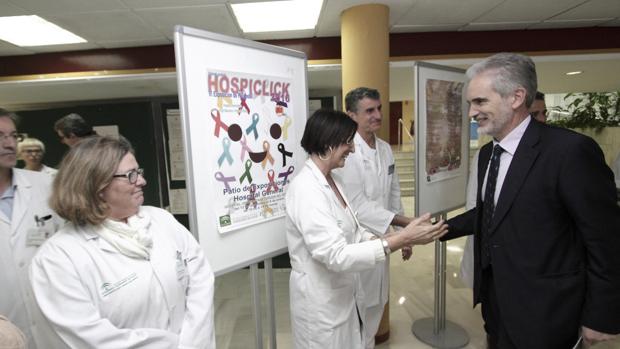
<point>365,35</point>
<point>365,45</point>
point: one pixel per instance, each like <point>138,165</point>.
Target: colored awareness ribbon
<point>286,174</point>
<point>268,157</point>
<point>244,105</point>
<point>284,153</point>
<point>287,123</point>
<point>272,183</point>
<point>266,208</point>
<point>215,114</point>
<point>251,197</point>
<point>222,100</point>
<point>220,177</point>
<point>246,173</point>
<point>225,152</point>
<point>252,127</point>
<point>244,148</point>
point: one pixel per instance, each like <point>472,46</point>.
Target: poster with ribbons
<point>244,106</point>
<point>251,130</point>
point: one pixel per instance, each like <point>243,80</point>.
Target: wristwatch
<point>386,247</point>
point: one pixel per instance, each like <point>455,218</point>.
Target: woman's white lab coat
<point>326,255</point>
<point>20,237</point>
<point>96,297</point>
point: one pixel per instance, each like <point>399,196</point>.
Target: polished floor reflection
<point>411,298</point>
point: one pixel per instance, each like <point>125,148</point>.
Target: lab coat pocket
<point>334,306</point>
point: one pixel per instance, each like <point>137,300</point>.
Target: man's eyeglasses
<point>13,136</point>
<point>132,175</point>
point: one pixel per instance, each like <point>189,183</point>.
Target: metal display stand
<point>437,331</point>
<point>256,301</point>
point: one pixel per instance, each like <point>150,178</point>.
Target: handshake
<point>416,231</point>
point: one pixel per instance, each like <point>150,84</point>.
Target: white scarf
<point>133,239</point>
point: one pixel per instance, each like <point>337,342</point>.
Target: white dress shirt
<point>509,144</point>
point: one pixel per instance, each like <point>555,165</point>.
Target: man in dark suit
<point>547,242</point>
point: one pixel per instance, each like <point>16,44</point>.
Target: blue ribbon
<point>252,127</point>
<point>225,152</point>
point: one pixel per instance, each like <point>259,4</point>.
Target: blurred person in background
<point>26,222</point>
<point>538,109</point>
<point>72,128</point>
<point>32,151</point>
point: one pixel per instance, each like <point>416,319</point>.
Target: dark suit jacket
<point>554,239</point>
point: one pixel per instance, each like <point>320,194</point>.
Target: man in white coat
<point>26,222</point>
<point>371,184</point>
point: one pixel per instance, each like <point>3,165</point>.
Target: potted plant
<point>589,110</point>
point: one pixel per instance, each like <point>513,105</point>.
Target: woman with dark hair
<point>119,274</point>
<point>327,245</point>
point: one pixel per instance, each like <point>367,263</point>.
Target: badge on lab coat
<point>391,169</point>
<point>181,266</point>
<point>37,235</point>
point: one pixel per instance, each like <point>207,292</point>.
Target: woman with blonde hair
<point>119,274</point>
<point>32,151</point>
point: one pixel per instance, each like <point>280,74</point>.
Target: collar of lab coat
<point>91,232</point>
<point>366,151</point>
<point>316,172</point>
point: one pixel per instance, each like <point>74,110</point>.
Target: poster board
<point>243,107</point>
<point>442,138</point>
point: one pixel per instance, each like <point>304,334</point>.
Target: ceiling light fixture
<point>274,16</point>
<point>576,72</point>
<point>34,31</point>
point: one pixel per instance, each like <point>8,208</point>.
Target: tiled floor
<point>411,298</point>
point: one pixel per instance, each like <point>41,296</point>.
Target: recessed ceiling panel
<point>526,10</point>
<point>146,4</point>
<point>329,21</point>
<point>214,18</point>
<point>46,7</point>
<point>592,9</point>
<point>439,12</point>
<point>8,9</point>
<point>7,49</point>
<point>107,26</point>
<point>582,23</point>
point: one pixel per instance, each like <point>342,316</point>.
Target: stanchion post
<point>437,331</point>
<point>271,310</point>
<point>256,300</point>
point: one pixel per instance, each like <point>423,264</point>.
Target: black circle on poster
<point>234,132</point>
<point>275,131</point>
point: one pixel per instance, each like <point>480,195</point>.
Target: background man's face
<point>8,143</point>
<point>538,110</point>
<point>368,115</point>
<point>69,140</point>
